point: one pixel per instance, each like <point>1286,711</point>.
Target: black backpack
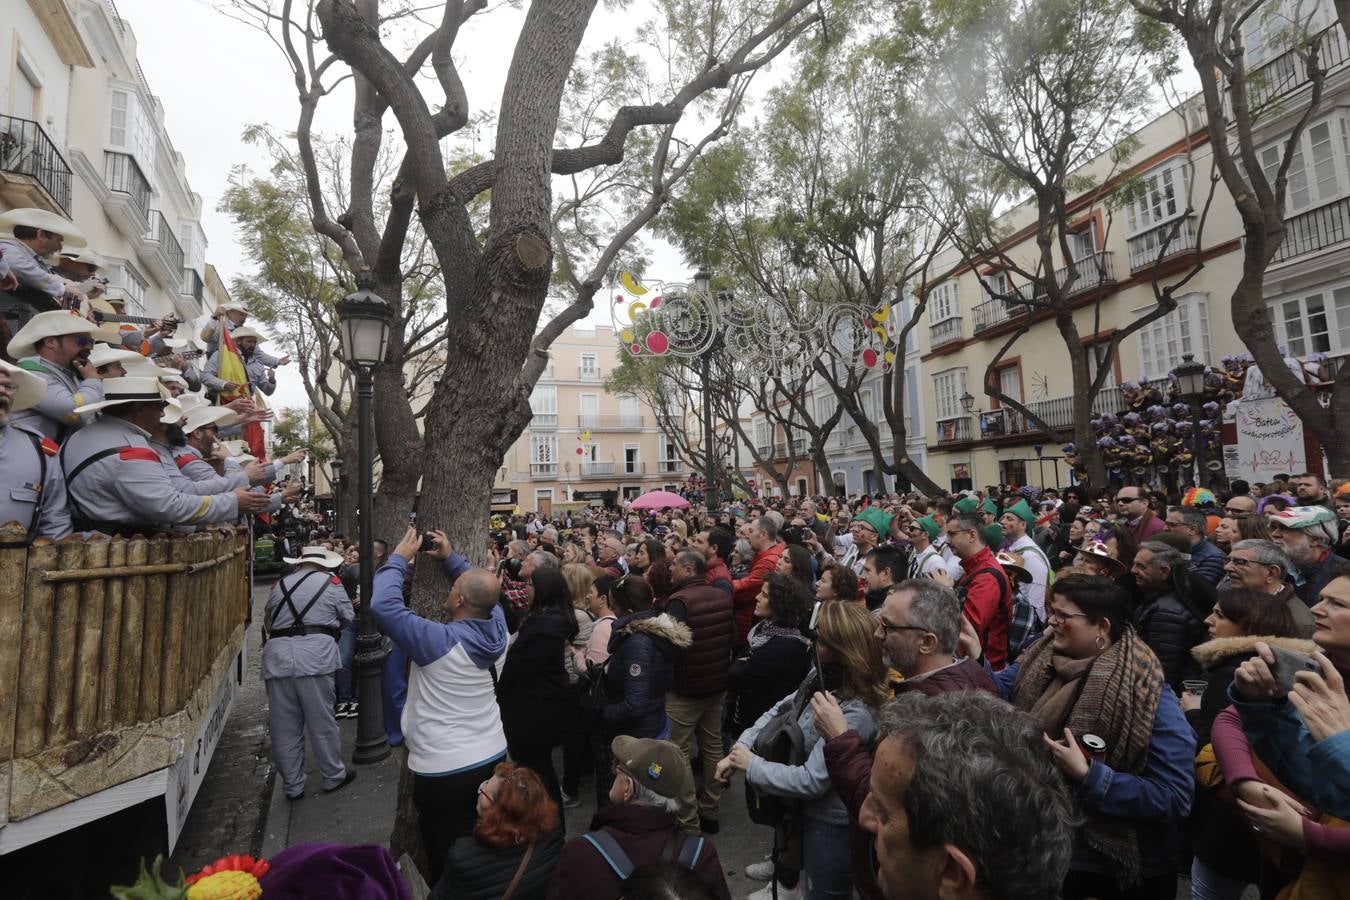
<point>779,741</point>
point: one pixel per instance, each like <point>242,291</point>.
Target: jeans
<point>827,865</point>
<point>701,716</point>
<point>346,690</point>
<point>1207,884</point>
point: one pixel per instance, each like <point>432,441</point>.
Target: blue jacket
<point>1156,800</point>
<point>1207,561</point>
<point>643,650</point>
<point>1317,771</point>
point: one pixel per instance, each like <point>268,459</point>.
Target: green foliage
<point>294,428</point>
<point>150,885</point>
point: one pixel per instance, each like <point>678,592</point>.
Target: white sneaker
<point>760,871</point>
<point>766,892</point>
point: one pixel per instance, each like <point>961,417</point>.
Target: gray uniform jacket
<point>208,335</point>
<point>27,494</point>
<point>254,367</point>
<point>129,484</point>
<point>55,416</point>
<point>311,654</point>
<point>30,269</point>
<point>198,470</point>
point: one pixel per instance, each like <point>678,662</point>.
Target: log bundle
<point>114,647</point>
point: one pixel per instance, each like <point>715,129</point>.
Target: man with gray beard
<point>918,627</point>
<point>32,489</point>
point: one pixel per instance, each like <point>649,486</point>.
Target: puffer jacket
<point>1171,630</point>
<point>702,669</point>
<point>532,685</point>
<point>1207,561</point>
<point>643,652</point>
<point>475,871</point>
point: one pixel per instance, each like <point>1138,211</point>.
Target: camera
<point>429,543</point>
<point>511,567</point>
<point>794,534</point>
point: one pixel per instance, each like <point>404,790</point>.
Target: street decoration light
<point>1190,376</point>
<point>365,320</point>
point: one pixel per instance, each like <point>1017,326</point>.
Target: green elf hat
<point>1022,510</point>
<point>929,526</point>
<point>967,504</point>
<point>877,519</point>
<point>990,507</point>
<point>993,535</point>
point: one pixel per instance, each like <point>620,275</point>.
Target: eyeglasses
<point>1244,563</point>
<point>886,627</point>
<point>1236,513</point>
<point>1175,524</point>
<point>1128,499</point>
<point>1059,615</point>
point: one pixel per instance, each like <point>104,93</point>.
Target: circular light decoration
<point>658,343</point>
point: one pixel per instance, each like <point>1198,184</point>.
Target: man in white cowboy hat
<point>260,375</point>
<point>233,315</point>
<point>38,233</point>
<point>305,614</point>
<point>32,490</point>
<point>110,362</point>
<point>81,265</point>
<point>116,481</point>
<point>55,346</point>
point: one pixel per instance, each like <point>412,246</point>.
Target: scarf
<point>1114,696</point>
<point>767,630</point>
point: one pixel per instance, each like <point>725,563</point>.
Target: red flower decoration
<point>235,863</point>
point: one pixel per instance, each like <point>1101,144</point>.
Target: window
<point>27,92</point>
<point>130,129</point>
<point>995,285</point>
<point>826,404</point>
<point>1159,196</point>
<point>590,411</point>
<point>124,276</point>
<point>942,303</point>
<point>628,412</point>
<point>1317,171</point>
<point>1097,359</point>
<point>1315,321</point>
<point>913,421</point>
<point>763,434</point>
<point>947,390</point>
<point>865,405</point>
<point>1009,384</point>
<point>590,366</point>
<point>544,448</point>
<point>1164,342</point>
<point>1272,30</point>
<point>631,462</point>
<point>194,244</point>
<point>1083,244</point>
<point>544,399</point>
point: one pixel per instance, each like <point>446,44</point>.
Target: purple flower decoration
<point>1161,428</point>
<point>1106,442</point>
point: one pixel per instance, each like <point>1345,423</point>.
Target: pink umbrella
<point>658,500</point>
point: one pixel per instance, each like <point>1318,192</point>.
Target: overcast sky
<point>215,76</point>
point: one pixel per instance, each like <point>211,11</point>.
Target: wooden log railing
<point>111,648</point>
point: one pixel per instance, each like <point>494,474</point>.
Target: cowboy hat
<point>27,389</point>
<point>53,323</point>
<point>234,306</point>
<point>189,402</point>
<point>29,217</point>
<point>243,331</point>
<point>103,355</point>
<point>84,255</point>
<point>146,369</point>
<point>201,416</point>
<point>175,343</point>
<point>129,389</point>
<point>1100,552</point>
<point>235,448</point>
<point>315,555</point>
<point>1014,565</point>
<point>172,413</point>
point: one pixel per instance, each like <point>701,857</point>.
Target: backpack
<point>779,741</point>
<point>689,851</point>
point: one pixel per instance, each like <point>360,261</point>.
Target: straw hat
<point>1100,552</point>
<point>172,413</point>
<point>243,331</point>
<point>201,416</point>
<point>84,255</point>
<point>28,389</point>
<point>54,323</point>
<point>30,217</point>
<point>130,389</point>
<point>189,402</point>
<point>103,355</point>
<point>315,555</point>
<point>1014,565</point>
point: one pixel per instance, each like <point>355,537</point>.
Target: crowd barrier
<point>110,651</point>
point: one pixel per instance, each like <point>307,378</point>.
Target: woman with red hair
<point>515,844</point>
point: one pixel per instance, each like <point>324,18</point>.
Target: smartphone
<point>1287,664</point>
<point>815,640</point>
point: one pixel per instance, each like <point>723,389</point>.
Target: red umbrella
<point>658,500</point>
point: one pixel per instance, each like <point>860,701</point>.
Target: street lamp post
<point>366,318</point>
<point>702,284</point>
<point>337,493</point>
<point>1191,383</point>
<point>968,405</point>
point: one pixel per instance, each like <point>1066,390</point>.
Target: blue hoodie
<point>450,720</point>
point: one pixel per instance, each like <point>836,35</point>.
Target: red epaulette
<point>183,460</point>
<point>336,580</point>
<point>145,454</point>
<point>50,447</point>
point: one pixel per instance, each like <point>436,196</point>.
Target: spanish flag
<point>232,369</point>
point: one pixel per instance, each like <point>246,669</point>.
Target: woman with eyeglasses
<point>516,835</point>
<point>852,670</point>
<point>1116,732</point>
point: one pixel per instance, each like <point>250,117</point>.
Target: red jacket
<point>986,595</point>
<point>849,763</point>
<point>744,591</point>
<point>718,575</point>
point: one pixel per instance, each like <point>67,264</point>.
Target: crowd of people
<point>1003,694</point>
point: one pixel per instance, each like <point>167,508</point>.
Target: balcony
<point>598,422</point>
<point>1088,273</point>
<point>670,467</point>
<point>192,285</point>
<point>1315,230</point>
<point>32,170</point>
<point>1057,412</point>
<point>780,450</point>
<point>1287,72</point>
<point>597,469</point>
<point>162,252</point>
<point>544,470</point>
<point>1146,248</point>
<point>544,421</point>
<point>588,373</point>
<point>992,312</point>
<point>945,332</point>
<point>129,188</point>
<point>953,430</point>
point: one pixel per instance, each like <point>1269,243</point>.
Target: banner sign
<point>1269,441</point>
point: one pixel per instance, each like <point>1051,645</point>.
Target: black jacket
<point>643,650</point>
<point>475,871</point>
<point>1171,630</point>
<point>764,677</point>
<point>532,685</point>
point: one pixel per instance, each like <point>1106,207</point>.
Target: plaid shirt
<point>515,594</point>
<point>1026,622</point>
